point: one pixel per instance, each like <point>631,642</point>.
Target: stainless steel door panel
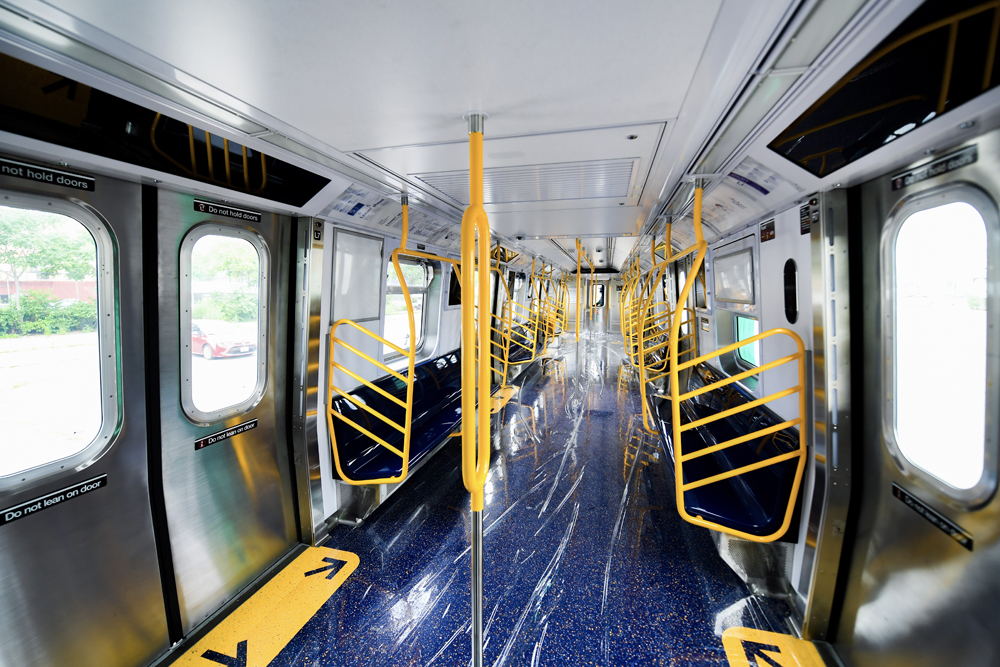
<point>916,596</point>
<point>79,582</point>
<point>229,505</point>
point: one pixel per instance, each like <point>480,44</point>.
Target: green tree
<point>229,267</point>
<point>48,242</point>
<point>74,255</point>
<point>21,241</point>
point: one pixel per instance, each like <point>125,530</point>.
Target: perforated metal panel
<point>766,568</point>
<point>592,179</point>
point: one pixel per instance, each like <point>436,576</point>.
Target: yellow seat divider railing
<point>549,307</point>
<point>544,305</point>
<point>681,455</point>
<point>408,379</point>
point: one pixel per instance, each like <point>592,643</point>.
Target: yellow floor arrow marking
<point>266,622</point>
<point>746,647</point>
<point>501,398</point>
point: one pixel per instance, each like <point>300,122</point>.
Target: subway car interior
<point>682,266</point>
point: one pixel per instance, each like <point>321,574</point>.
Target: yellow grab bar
<point>475,451</point>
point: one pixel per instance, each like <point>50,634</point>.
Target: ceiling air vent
<point>593,179</point>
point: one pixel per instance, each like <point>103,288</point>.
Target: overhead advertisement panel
<point>749,190</point>
<point>366,207</point>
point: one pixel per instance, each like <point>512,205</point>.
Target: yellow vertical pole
<point>405,201</point>
<point>476,451</point>
<point>208,147</point>
<point>194,163</point>
<point>246,170</point>
<point>229,174</point>
<point>579,303</point>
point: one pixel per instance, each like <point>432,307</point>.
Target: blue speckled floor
<point>585,559</point>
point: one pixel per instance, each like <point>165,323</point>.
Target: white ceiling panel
<point>567,223</point>
<point>592,179</point>
<point>599,168</point>
<point>358,75</point>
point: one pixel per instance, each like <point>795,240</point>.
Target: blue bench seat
<point>437,411</point>
<point>753,502</point>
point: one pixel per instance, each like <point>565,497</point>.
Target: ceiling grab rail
<point>475,451</point>
<point>700,249</point>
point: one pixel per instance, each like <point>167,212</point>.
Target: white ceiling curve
<point>362,75</point>
<point>589,101</point>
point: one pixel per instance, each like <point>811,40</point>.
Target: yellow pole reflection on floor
<point>255,632</point>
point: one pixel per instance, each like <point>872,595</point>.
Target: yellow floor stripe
<point>746,647</point>
<point>254,633</point>
<point>501,398</point>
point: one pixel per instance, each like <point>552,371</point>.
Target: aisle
<point>585,560</point>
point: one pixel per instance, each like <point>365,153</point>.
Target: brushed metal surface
<point>79,582</point>
<point>915,596</point>
<point>229,506</point>
<point>309,243</point>
<point>831,411</point>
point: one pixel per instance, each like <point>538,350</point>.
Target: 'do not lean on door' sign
<point>40,503</point>
<point>201,443</point>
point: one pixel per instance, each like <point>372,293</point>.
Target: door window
<point>57,338</point>
<point>599,295</point>
<point>937,340</point>
<point>925,419</point>
<point>223,323</point>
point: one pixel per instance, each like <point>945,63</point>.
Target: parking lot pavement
<point>50,398</point>
<point>221,382</point>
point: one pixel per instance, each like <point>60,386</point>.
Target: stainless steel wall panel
<point>309,339</point>
<point>79,582</point>
<point>915,595</point>
<point>229,506</point>
<point>830,484</point>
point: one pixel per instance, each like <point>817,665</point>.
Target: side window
<point>700,297</point>
<point>734,277</point>
<point>224,276</point>
<point>938,411</point>
<point>58,351</point>
<point>418,276</point>
<point>747,356</point>
<point>599,295</point>
<point>454,289</point>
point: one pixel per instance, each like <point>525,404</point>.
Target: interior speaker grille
<point>594,179</point>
